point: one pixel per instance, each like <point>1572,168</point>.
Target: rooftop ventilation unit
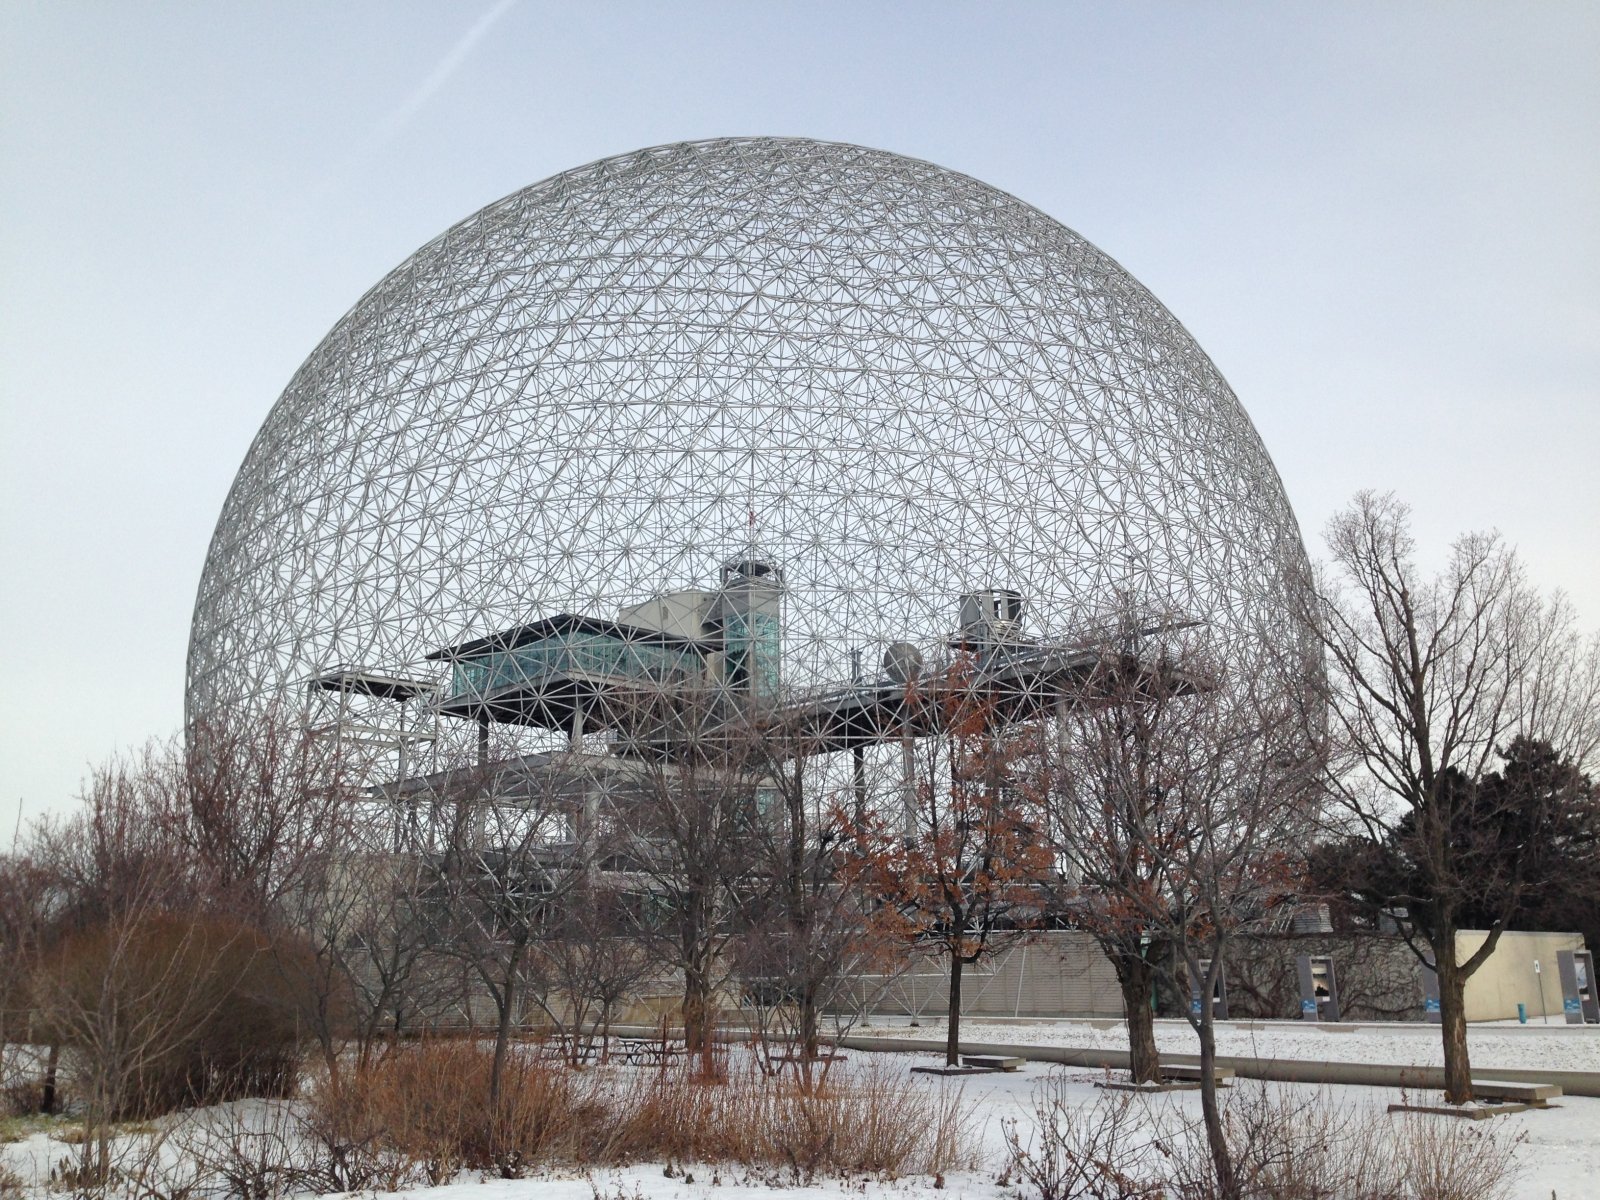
<point>993,615</point>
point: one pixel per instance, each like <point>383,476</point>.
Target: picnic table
<point>589,1049</point>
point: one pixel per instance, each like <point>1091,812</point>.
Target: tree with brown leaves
<point>962,878</point>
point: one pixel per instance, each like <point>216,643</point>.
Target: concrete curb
<point>1285,1070</point>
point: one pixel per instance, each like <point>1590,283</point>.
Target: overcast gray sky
<point>1382,222</point>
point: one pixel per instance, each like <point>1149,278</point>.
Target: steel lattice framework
<point>897,382</point>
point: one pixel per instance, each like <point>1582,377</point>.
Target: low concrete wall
<point>1572,1083</point>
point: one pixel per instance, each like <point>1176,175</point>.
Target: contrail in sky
<point>440,75</point>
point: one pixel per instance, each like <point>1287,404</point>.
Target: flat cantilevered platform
<point>1007,685</point>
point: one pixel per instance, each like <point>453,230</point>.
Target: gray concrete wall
<point>1062,973</point>
<point>1057,973</point>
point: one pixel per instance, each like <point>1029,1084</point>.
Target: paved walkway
<point>1288,1070</point>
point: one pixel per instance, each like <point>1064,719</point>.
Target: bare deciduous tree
<point>1113,829</point>
<point>501,885</point>
<point>1245,790</point>
<point>1178,798</point>
<point>372,927</point>
<point>686,832</point>
<point>808,932</point>
<point>1430,679</point>
<point>590,962</point>
<point>256,805</point>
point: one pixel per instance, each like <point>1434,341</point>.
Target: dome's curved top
<point>898,381</point>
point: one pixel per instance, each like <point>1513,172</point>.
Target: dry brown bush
<point>419,1097</point>
<point>430,1102</point>
<point>871,1122</point>
<point>170,1010</point>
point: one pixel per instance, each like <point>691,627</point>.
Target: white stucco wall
<point>1508,978</point>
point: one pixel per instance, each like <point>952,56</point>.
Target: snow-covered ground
<point>1531,1047</point>
<point>1557,1150</point>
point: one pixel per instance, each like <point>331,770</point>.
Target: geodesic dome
<point>895,382</point>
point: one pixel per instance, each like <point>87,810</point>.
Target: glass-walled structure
<point>751,644</point>
<point>598,654</point>
<point>569,654</point>
<point>748,618</point>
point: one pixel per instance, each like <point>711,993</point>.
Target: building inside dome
<point>545,443</point>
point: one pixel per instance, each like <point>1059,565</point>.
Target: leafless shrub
<point>249,1159</point>
<point>617,1192</point>
<point>1284,1148</point>
<point>21,1097</point>
<point>1443,1159</point>
<point>1284,1145</point>
<point>80,1179</point>
<point>951,1144</point>
<point>1100,1152</point>
<point>134,1166</point>
<point>152,1166</point>
<point>11,1184</point>
<point>1312,1147</point>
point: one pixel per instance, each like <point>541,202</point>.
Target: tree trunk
<point>502,1042</point>
<point>47,1094</point>
<point>952,1041</point>
<point>1211,1112</point>
<point>808,1023</point>
<point>800,921</point>
<point>695,945</point>
<point>1453,1022</point>
<point>808,1037</point>
<point>696,1012</point>
<point>1136,977</point>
